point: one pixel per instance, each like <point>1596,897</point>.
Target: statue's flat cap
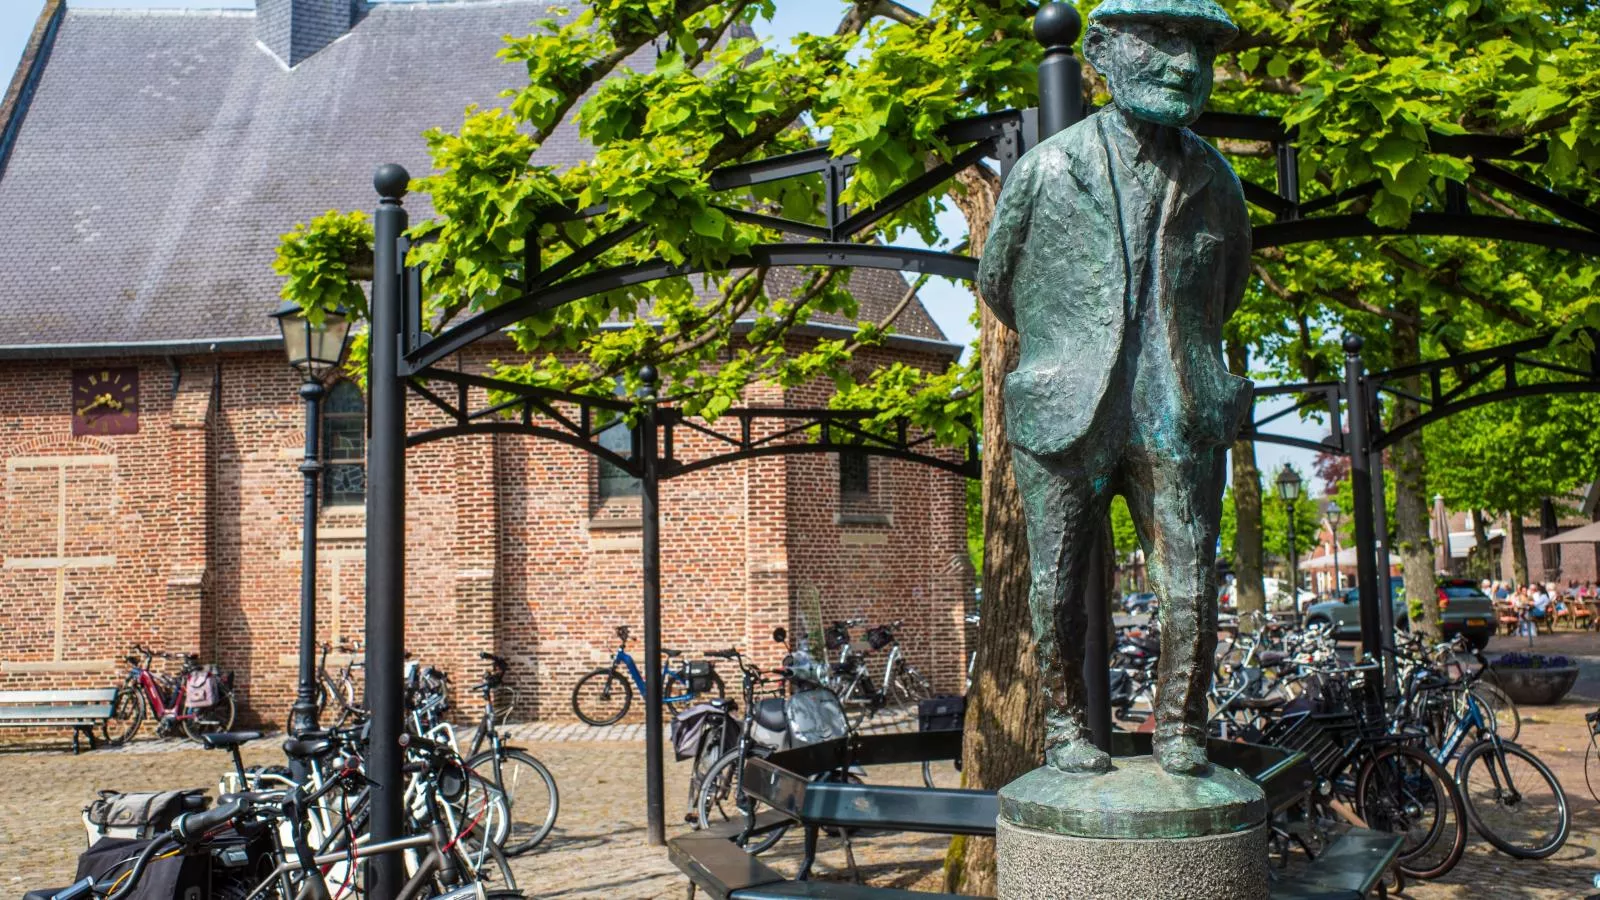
<point>1204,16</point>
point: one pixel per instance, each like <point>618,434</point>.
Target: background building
<point>148,163</point>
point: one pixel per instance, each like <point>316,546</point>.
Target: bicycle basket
<point>837,635</point>
<point>880,637</point>
<point>700,673</point>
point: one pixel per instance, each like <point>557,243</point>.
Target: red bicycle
<point>199,699</point>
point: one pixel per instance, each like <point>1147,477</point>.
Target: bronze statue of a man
<point>1119,249</point>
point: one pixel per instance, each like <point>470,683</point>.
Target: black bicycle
<point>511,774</point>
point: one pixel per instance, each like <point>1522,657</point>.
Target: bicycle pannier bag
<point>837,635</point>
<point>200,689</point>
<point>181,877</point>
<point>699,671</point>
<point>139,814</point>
<point>690,726</point>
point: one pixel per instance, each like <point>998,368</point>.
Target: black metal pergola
<point>405,361</point>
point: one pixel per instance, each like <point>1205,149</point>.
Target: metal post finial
<point>1353,344</point>
<point>1057,26</point>
<point>647,374</point>
<point>391,181</point>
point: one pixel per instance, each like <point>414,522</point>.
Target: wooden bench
<point>80,710</point>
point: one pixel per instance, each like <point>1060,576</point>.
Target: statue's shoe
<point>1181,755</point>
<point>1079,756</point>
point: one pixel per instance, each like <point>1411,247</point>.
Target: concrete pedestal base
<point>1038,865</point>
<point>1134,833</point>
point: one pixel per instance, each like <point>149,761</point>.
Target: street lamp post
<point>315,346</point>
<point>1334,514</point>
<point>1289,493</point>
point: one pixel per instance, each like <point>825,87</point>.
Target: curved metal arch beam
<point>836,255</point>
<point>1394,435</point>
<point>1287,441</point>
<point>538,431</point>
<point>1332,228</point>
<point>960,468</point>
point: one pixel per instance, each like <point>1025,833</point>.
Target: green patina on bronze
<point>1137,799</point>
<point>1119,249</point>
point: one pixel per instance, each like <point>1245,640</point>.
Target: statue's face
<point>1156,73</point>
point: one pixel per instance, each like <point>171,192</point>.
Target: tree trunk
<point>1519,548</point>
<point>1482,563</point>
<point>1411,507</point>
<point>1249,593</point>
<point>1004,736</point>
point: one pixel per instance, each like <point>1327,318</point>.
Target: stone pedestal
<point>1135,832</point>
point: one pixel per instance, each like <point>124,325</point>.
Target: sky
<point>950,304</point>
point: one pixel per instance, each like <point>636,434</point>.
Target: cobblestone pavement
<point>598,847</point>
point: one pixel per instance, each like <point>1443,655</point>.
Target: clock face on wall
<point>105,401</point>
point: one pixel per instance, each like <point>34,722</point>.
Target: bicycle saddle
<point>1272,657</point>
<point>304,749</point>
<point>770,714</point>
<point>667,651</point>
<point>224,740</point>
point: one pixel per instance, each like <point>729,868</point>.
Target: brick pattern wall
<point>186,536</point>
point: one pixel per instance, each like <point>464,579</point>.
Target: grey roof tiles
<point>163,154</point>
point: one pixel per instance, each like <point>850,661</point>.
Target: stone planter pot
<point>1534,687</point>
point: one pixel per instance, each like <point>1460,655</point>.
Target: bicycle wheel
<point>909,687</point>
<point>719,802</point>
<point>1514,800</point>
<point>530,797</point>
<point>1403,791</point>
<point>127,713</point>
<point>602,697</point>
<point>212,719</point>
<point>706,756</point>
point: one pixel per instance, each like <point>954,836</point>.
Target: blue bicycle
<point>1512,798</point>
<point>603,696</point>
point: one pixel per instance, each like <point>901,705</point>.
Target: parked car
<point>1463,609</point>
<point>1141,603</point>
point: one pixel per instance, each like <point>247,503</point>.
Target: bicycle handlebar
<point>190,827</point>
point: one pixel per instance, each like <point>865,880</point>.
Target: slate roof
<point>164,153</point>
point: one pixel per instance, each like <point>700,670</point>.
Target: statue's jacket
<point>1118,272</point>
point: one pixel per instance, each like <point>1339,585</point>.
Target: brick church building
<point>149,161</point>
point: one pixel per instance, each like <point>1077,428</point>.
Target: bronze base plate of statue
<point>1120,247</point>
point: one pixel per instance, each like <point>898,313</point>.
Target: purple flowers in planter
<point>1531,661</point>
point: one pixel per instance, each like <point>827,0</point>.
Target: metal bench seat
<point>81,710</point>
<point>1348,870</point>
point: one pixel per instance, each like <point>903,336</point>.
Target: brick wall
<point>186,536</point>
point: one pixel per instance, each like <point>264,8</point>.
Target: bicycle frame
<point>668,676</point>
<point>146,681</point>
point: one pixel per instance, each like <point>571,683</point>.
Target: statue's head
<point>1156,55</point>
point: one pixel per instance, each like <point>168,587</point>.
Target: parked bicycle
<point>899,686</point>
<point>522,782</point>
<point>199,699</point>
<point>1512,798</point>
<point>771,722</point>
<point>602,697</point>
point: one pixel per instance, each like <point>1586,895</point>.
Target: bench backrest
<point>89,696</point>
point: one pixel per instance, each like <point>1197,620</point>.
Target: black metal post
<point>650,553</point>
<point>1380,550</point>
<point>303,715</point>
<point>1057,26</point>
<point>386,534</point>
<point>1361,490</point>
<point>1294,565</point>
